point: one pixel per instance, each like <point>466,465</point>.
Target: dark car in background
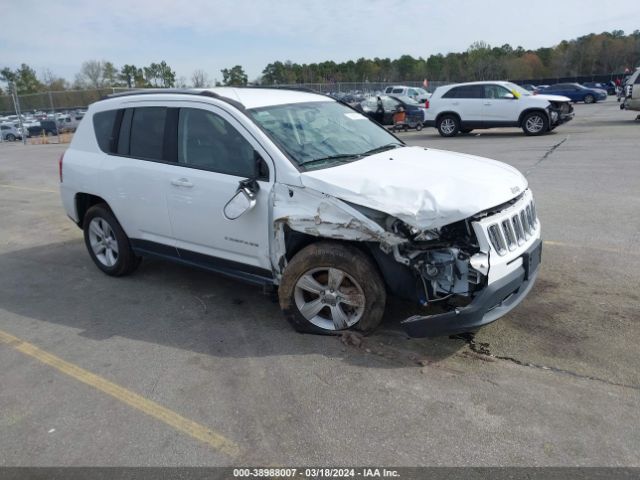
<point>609,87</point>
<point>576,92</point>
<point>390,104</point>
<point>49,127</point>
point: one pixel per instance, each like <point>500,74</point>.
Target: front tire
<point>448,125</point>
<point>331,287</point>
<point>107,243</point>
<point>535,123</point>
<point>589,99</point>
<point>11,137</point>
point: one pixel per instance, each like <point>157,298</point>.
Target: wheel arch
<point>398,278</point>
<point>83,202</point>
<point>526,112</point>
<point>448,112</point>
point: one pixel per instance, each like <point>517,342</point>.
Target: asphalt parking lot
<point>173,366</point>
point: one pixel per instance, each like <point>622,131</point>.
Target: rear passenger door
<point>136,172</point>
<point>468,102</point>
<point>214,153</point>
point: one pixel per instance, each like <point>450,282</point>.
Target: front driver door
<point>215,153</point>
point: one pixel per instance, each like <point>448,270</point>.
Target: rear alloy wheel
<point>589,99</point>
<point>448,125</point>
<point>535,123</point>
<point>330,287</point>
<point>107,243</point>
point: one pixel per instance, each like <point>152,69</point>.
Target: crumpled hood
<point>425,188</point>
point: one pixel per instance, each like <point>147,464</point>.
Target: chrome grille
<point>514,230</point>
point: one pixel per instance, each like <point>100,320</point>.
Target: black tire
<point>126,261</point>
<point>418,127</point>
<point>351,262</point>
<point>448,125</point>
<point>466,130</point>
<point>539,119</point>
<point>11,137</point>
<point>589,99</point>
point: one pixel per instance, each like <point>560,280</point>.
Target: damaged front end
<point>560,112</point>
<point>448,268</point>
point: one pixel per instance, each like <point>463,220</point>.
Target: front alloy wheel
<point>329,298</point>
<point>328,287</point>
<point>535,123</point>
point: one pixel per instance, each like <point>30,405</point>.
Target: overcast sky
<point>214,34</point>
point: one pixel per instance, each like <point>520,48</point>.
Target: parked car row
<point>38,123</point>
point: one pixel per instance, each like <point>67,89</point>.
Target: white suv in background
<point>463,107</point>
<point>296,191</point>
<point>631,88</point>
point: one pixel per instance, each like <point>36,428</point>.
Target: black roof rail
<point>182,91</point>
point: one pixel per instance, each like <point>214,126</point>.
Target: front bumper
<point>495,301</point>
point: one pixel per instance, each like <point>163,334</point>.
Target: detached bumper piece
<point>495,301</point>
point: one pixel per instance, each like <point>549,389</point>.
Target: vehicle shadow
<point>180,307</point>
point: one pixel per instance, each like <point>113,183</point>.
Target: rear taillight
<point>426,103</point>
<point>60,166</point>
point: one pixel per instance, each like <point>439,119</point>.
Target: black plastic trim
<point>228,268</point>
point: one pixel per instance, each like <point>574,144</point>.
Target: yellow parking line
<point>30,189</point>
<point>134,400</point>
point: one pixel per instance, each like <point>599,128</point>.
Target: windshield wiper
<point>341,156</point>
<point>383,148</point>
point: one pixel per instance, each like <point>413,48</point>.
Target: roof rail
<point>182,91</point>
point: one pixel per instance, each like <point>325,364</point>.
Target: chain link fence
<point>81,99</point>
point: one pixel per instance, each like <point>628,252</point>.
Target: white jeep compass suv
<point>295,190</point>
<point>463,107</point>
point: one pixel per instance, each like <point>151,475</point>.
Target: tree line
<point>607,52</point>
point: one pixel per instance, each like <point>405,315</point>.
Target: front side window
<point>496,91</point>
<point>322,134</point>
<point>397,90</point>
<point>147,132</point>
<point>208,141</point>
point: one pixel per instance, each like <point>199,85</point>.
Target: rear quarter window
<point>103,126</point>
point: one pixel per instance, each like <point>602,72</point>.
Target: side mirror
<point>509,96</point>
<point>243,200</point>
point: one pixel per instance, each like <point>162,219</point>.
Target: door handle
<point>181,182</point>
<point>488,103</point>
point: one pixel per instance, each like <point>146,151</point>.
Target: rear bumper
<point>495,301</point>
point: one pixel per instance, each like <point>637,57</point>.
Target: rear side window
<point>465,91</point>
<point>637,82</point>
<point>397,90</point>
<point>147,132</point>
<point>103,123</point>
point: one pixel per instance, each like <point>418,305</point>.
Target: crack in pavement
<point>546,155</point>
<point>483,350</point>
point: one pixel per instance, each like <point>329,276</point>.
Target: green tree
<point>234,76</point>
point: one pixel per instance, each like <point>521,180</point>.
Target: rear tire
<point>448,125</point>
<point>535,123</point>
<point>330,287</point>
<point>418,127</point>
<point>108,245</point>
<point>11,137</point>
<point>589,99</point>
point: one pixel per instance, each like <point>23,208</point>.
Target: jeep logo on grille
<point>515,190</point>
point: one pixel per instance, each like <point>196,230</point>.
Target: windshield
<point>321,134</point>
<point>517,88</point>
